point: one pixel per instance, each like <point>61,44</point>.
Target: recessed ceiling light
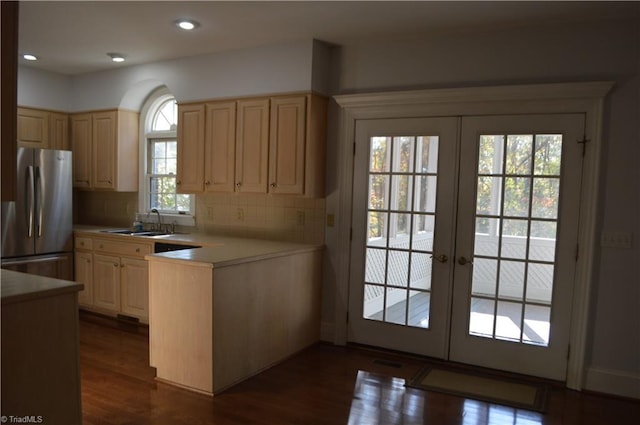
<point>30,57</point>
<point>116,57</point>
<point>186,24</point>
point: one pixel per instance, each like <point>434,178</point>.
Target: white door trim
<point>587,98</point>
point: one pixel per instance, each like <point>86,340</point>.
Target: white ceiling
<point>75,37</point>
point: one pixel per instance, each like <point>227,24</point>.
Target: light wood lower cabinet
<point>84,274</point>
<point>134,287</point>
<point>115,276</point>
<point>106,282</point>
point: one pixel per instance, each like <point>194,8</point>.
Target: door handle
<point>29,189</point>
<point>39,200</point>
<point>464,261</point>
<point>441,258</point>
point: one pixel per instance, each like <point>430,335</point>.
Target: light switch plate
<point>616,239</point>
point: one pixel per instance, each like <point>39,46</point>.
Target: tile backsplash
<point>104,208</point>
<point>287,218</point>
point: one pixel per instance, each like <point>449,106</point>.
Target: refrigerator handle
<point>29,195</point>
<point>39,200</point>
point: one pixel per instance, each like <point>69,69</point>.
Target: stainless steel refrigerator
<point>37,228</point>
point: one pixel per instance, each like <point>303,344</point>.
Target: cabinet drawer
<point>83,243</point>
<point>125,249</point>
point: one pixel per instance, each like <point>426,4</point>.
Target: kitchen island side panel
<point>40,350</point>
<point>212,326</point>
<point>180,323</point>
<point>264,312</point>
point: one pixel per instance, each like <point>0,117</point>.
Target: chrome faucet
<point>159,218</point>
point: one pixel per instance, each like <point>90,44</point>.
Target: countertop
<point>19,287</point>
<point>217,251</point>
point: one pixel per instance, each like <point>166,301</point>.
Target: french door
<point>464,238</point>
<point>403,221</point>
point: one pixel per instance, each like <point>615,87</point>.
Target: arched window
<point>159,160</point>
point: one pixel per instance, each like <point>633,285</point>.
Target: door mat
<point>492,389</point>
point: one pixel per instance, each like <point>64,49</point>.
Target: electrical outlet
<point>616,239</point>
<point>241,214</point>
<point>331,220</point>
<point>300,218</point>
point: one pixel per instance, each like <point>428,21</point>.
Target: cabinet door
<point>287,145</point>
<point>104,127</point>
<point>219,148</point>
<point>134,287</point>
<point>81,147</point>
<point>252,142</point>
<point>33,128</point>
<point>190,148</point>
<point>59,131</point>
<point>84,275</point>
<point>106,282</point>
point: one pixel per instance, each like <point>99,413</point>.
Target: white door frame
<point>587,98</point>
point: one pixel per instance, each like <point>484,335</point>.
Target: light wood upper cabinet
<point>38,128</point>
<point>81,147</point>
<point>219,147</point>
<point>33,128</point>
<point>252,146</point>
<point>59,131</point>
<point>259,145</point>
<point>191,131</point>
<point>287,145</point>
<point>105,149</point>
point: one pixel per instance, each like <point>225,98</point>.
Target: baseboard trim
<point>616,382</point>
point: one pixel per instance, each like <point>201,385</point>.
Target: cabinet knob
<point>137,249</point>
<point>178,182</point>
<point>101,246</point>
<point>116,265</point>
<point>109,181</point>
<point>239,184</point>
<point>273,184</point>
<point>207,183</point>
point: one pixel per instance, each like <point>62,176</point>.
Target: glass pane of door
<point>400,229</point>
<point>516,216</point>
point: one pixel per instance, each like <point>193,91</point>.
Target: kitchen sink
<point>151,233</point>
<point>136,233</point>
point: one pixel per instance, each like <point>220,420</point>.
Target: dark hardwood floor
<point>325,385</point>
